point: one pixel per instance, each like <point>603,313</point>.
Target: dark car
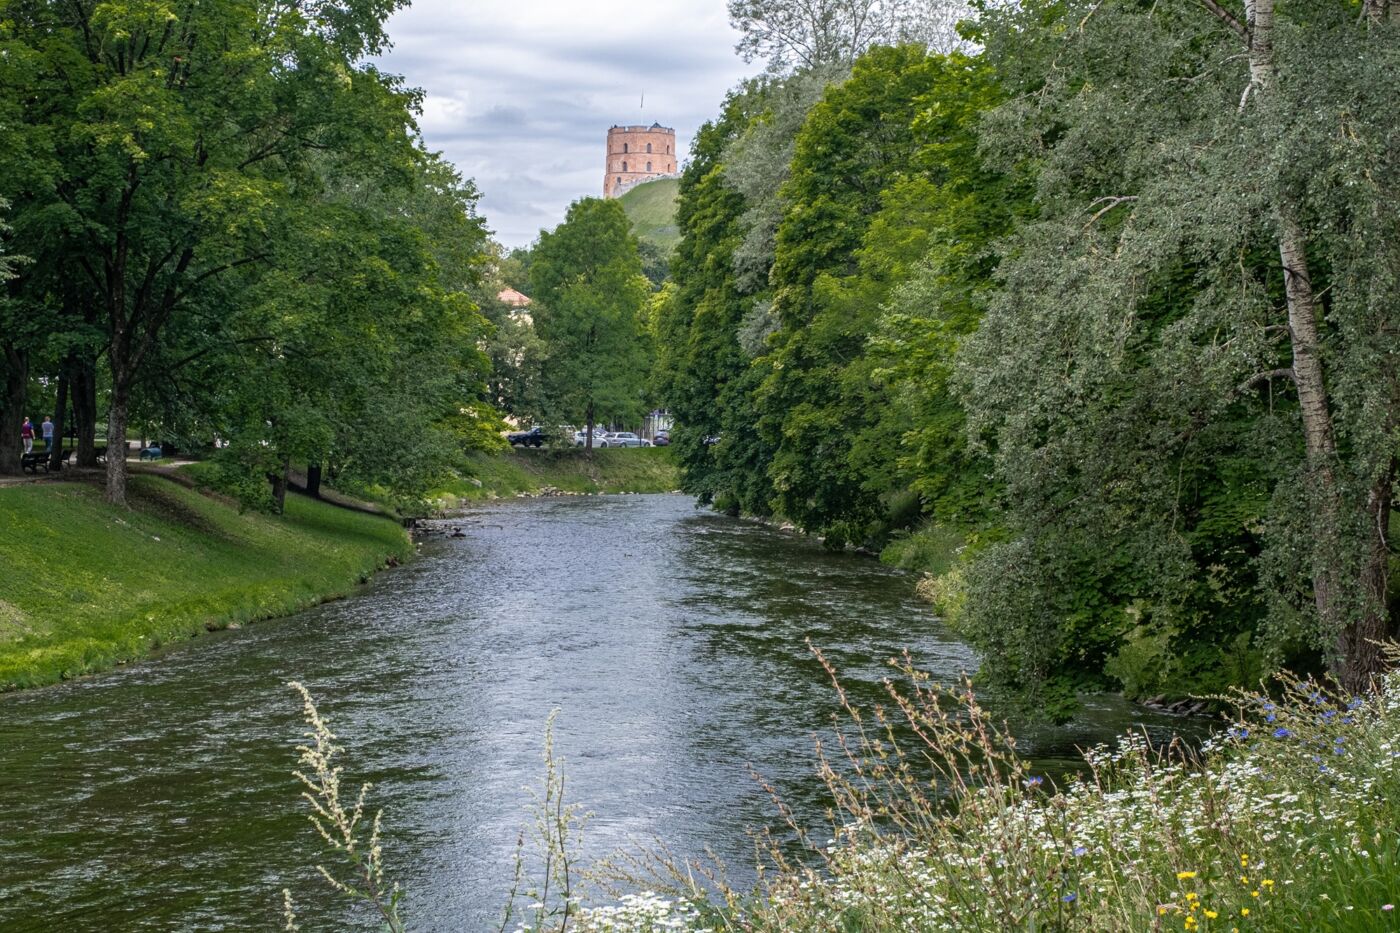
<point>531,438</point>
<point>662,439</point>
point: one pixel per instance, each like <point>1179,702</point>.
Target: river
<point>671,639</point>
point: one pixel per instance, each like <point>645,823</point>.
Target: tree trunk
<point>279,486</point>
<point>116,440</point>
<point>85,411</point>
<point>589,445</point>
<point>16,366</point>
<point>1318,435</point>
<point>1359,645</point>
<point>60,419</point>
<point>313,480</point>
<point>1357,661</point>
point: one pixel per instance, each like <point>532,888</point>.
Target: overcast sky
<point>520,93</point>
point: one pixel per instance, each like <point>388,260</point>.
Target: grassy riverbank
<point>508,474</point>
<point>87,586</point>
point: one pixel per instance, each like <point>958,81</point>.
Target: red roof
<point>513,298</point>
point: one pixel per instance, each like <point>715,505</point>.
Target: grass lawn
<point>633,469</point>
<point>86,586</point>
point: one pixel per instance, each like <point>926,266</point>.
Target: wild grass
<point>87,586</point>
<point>1288,820</point>
<point>570,470</point>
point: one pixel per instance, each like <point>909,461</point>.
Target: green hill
<point>652,209</point>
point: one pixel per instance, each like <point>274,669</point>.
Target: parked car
<point>600,438</point>
<point>662,439</point>
<point>626,439</point>
<point>531,438</point>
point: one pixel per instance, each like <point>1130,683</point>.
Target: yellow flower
<point>1244,911</point>
<point>1190,923</point>
<point>1211,915</point>
<point>1183,875</point>
<point>1268,883</point>
<point>1244,879</point>
<point>1244,861</point>
<point>1253,893</point>
<point>1161,910</point>
<point>1191,895</point>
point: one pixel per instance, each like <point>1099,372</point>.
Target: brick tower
<point>637,154</point>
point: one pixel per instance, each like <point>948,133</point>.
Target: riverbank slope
<point>87,586</point>
<point>571,470</point>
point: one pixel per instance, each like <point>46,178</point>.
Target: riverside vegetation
<point>1284,822</point>
<point>1089,311</point>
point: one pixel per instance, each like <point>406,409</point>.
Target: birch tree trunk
<point>1357,658</point>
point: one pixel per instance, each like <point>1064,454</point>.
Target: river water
<point>671,639</point>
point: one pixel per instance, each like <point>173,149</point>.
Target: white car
<point>600,438</point>
<point>626,439</point>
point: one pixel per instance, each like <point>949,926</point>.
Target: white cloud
<point>520,93</point>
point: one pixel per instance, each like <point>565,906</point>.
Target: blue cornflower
<point>1070,898</point>
<point>1348,720</point>
<point>1240,733</point>
<point>1281,733</point>
<point>1356,703</point>
<point>1317,698</point>
<point>1080,851</point>
<point>1330,715</point>
<point>1034,781</point>
<point>1270,718</point>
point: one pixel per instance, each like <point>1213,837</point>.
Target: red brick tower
<point>637,154</point>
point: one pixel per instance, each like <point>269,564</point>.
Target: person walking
<point>26,433</point>
<point>47,429</point>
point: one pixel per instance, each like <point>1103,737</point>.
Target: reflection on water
<point>160,797</point>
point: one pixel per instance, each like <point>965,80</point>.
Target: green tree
<point>589,292</point>
<point>1187,378</point>
<point>704,373</point>
<point>176,136</point>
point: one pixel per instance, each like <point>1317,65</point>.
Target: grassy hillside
<point>652,209</point>
<point>86,586</point>
<point>496,476</point>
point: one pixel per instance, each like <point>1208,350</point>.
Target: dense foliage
<point>1098,326</point>
<point>586,277</point>
<point>234,235</point>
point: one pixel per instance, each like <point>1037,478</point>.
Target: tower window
<point>648,166</point>
<point>648,147</point>
<point>624,147</point>
<point>668,150</point>
<point>624,166</point>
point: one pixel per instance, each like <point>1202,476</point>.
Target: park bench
<point>33,461</point>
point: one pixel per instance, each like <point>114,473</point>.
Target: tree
<point>813,33</point>
<point>705,375</point>
<point>180,135</point>
<point>1187,377</point>
<point>356,351</point>
<point>587,283</point>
